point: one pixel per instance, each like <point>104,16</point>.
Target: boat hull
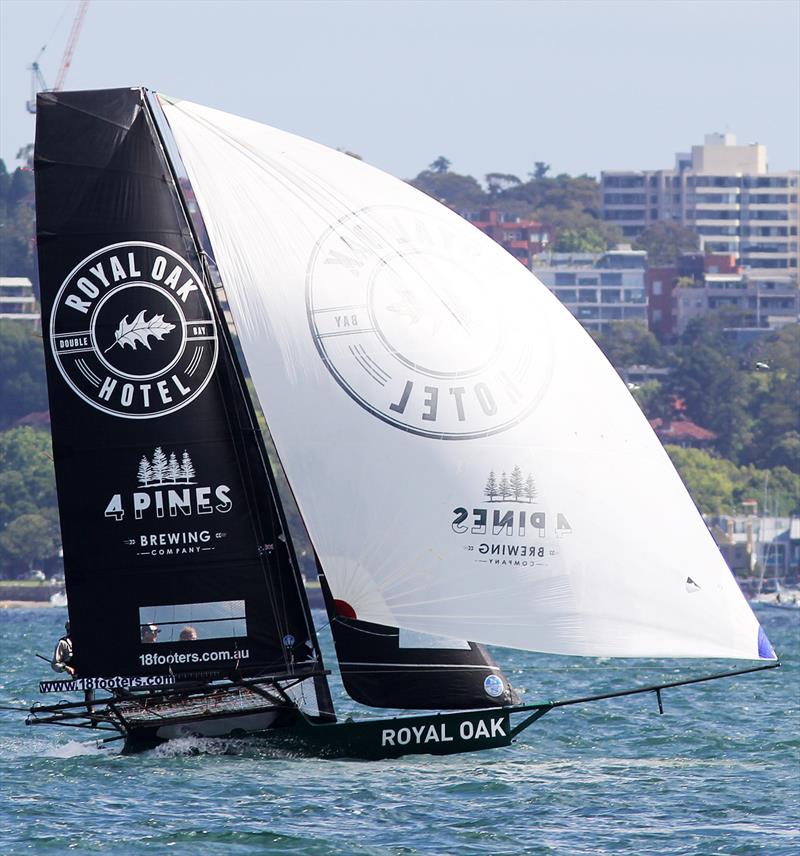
<point>368,740</point>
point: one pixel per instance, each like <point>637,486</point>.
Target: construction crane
<point>37,78</point>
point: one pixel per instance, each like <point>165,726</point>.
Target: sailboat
<point>467,466</point>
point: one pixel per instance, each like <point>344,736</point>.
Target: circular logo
<point>493,686</point>
<point>132,331</point>
<point>426,324</point>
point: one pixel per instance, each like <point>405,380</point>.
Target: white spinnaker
<point>401,358</point>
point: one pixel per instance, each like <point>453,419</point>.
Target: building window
<point>657,287</point>
<point>565,279</point>
<point>587,295</point>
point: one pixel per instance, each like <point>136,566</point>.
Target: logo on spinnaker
<point>132,331</point>
<point>426,324</point>
<point>510,487</point>
<point>512,524</point>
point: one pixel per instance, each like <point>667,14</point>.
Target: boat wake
<point>40,748</point>
<point>194,745</point>
<point>74,749</point>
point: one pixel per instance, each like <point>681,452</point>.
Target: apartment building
<point>17,300</point>
<point>700,284</point>
<point>724,192</point>
<point>597,288</point>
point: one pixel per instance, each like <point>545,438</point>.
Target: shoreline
<point>28,604</point>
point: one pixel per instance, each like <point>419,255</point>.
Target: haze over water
<point>718,773</point>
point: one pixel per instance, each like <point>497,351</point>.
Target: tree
<point>655,401</point>
<point>173,469</point>
<point>706,377</point>
<point>709,483</point>
<point>517,485</point>
<point>27,480</point>
<point>630,343</point>
<point>30,538</point>
<point>440,165</point>
<point>665,241</point>
<point>718,486</point>
<point>187,469</point>
<point>17,233</point>
<point>491,487</point>
<point>145,473</point>
<point>497,182</point>
<point>540,170</point>
<point>505,487</point>
<point>772,399</point>
<point>26,154</point>
<point>452,188</point>
<point>530,489</point>
<point>159,465</point>
<point>586,240</point>
<point>22,379</point>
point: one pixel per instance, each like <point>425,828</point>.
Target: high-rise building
<point>724,192</point>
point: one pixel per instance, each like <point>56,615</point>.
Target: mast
<point>247,414</point>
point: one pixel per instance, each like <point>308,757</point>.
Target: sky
<point>494,86</point>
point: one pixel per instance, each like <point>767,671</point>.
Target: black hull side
<point>370,740</point>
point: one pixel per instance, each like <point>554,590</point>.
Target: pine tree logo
<point>163,469</point>
<point>510,488</point>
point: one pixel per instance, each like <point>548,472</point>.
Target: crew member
<point>149,632</point>
<point>62,656</point>
<point>63,662</point>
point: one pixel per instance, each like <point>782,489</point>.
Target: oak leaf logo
<point>140,330</point>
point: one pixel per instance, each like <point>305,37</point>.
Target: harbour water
<point>719,772</point>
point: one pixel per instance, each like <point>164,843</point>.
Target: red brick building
<point>522,238</point>
<point>661,284</point>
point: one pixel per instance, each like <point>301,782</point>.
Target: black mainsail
<point>175,555</point>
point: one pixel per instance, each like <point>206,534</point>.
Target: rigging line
<point>344,623</point>
<point>272,593</point>
<point>412,667</point>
